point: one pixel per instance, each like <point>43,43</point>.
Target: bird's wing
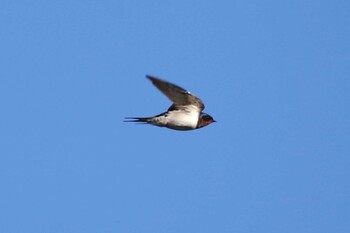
<point>178,95</point>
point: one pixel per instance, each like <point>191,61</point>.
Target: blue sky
<point>274,74</point>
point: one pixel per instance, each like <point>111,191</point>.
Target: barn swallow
<point>184,114</point>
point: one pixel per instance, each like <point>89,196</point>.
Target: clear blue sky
<point>274,74</point>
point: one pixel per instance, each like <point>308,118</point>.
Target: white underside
<point>179,119</point>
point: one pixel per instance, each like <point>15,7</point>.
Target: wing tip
<point>152,78</point>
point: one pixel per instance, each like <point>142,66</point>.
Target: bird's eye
<point>206,117</point>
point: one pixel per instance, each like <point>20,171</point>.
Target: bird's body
<point>175,119</point>
<point>184,114</point>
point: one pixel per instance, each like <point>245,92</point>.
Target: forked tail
<point>137,119</point>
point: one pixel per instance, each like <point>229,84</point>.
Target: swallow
<point>185,113</point>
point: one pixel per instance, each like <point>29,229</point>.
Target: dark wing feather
<point>178,95</point>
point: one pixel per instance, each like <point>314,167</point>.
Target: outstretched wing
<point>178,95</point>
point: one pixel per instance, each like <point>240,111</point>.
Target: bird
<point>185,113</point>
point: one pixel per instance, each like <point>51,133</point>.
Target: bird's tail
<point>138,119</point>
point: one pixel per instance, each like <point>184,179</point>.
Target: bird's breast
<point>182,120</point>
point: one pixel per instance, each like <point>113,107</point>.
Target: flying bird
<point>184,114</point>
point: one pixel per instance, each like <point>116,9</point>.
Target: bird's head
<point>205,119</point>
